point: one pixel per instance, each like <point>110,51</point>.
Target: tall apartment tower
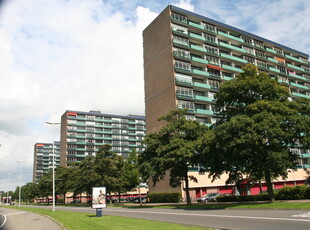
<point>43,159</point>
<point>187,56</point>
<point>82,134</point>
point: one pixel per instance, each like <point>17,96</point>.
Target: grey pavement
<point>13,219</point>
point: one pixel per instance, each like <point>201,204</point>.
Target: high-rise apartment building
<point>43,158</point>
<point>187,56</point>
<point>82,134</point>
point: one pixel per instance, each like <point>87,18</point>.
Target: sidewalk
<point>21,220</point>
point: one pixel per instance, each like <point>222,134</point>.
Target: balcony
<point>300,95</point>
<point>233,58</point>
<point>200,60</point>
<point>295,59</point>
<point>203,98</point>
<point>196,25</point>
<point>299,86</point>
<point>192,35</point>
<point>227,78</point>
<point>231,47</point>
<point>200,72</point>
<point>274,69</point>
<point>201,85</point>
<point>305,155</point>
<point>204,112</point>
<point>232,68</point>
<point>182,70</point>
<point>271,50</point>
<point>272,60</point>
<point>179,32</point>
<point>230,36</point>
<point>182,44</point>
<point>199,48</point>
<point>297,76</point>
<point>295,67</point>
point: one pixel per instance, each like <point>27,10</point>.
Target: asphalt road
<point>246,219</point>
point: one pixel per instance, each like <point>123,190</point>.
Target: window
<point>278,50</point>
<point>183,65</point>
<point>247,39</point>
<point>303,59</point>
<point>90,117</point>
<point>214,84</point>
<point>179,17</point>
<point>186,104</point>
<point>181,53</point>
<point>183,78</point>
<point>179,28</point>
<point>212,49</point>
<point>260,54</point>
<point>282,69</point>
<point>180,40</point>
<point>212,60</point>
<point>210,38</point>
<point>214,72</point>
<point>184,91</point>
<point>190,117</point>
<point>208,27</point>
<point>259,44</point>
<point>306,68</point>
<point>262,64</point>
<point>249,59</point>
<point>248,50</point>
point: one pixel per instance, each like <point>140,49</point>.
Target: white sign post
<point>99,199</point>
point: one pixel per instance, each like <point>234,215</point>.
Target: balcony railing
<point>230,36</point>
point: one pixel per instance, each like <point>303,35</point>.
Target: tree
<point>105,169</point>
<point>175,149</point>
<point>29,191</point>
<point>65,180</point>
<point>259,125</point>
<point>45,185</point>
<point>130,176</point>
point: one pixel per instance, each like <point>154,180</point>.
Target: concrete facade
<point>186,58</point>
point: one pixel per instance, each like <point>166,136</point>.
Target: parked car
<point>137,199</point>
<point>211,197</point>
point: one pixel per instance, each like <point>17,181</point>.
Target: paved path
<point>13,219</point>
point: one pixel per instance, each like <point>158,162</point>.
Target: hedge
<point>164,197</point>
<point>286,193</point>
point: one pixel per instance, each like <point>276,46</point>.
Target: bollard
<point>98,212</point>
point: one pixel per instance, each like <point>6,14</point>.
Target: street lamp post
<point>20,182</point>
<point>53,164</point>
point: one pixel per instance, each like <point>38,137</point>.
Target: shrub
<point>258,197</point>
<point>292,193</point>
<point>164,197</point>
<point>307,193</point>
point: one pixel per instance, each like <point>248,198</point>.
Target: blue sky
<point>86,55</point>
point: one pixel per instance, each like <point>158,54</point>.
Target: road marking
<point>302,215</point>
<point>5,219</point>
<point>14,213</point>
<point>208,215</point>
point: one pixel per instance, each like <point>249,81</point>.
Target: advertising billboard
<point>99,197</point>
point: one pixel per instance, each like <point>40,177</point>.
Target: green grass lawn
<point>85,221</point>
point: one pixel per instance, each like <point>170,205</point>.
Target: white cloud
<point>84,55</point>
<point>59,55</point>
<point>185,4</point>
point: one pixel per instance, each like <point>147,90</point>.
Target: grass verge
<point>83,221</point>
<point>209,206</point>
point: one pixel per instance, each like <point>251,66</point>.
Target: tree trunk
<point>188,198</point>
<point>65,198</point>
<point>269,185</point>
<point>260,187</point>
